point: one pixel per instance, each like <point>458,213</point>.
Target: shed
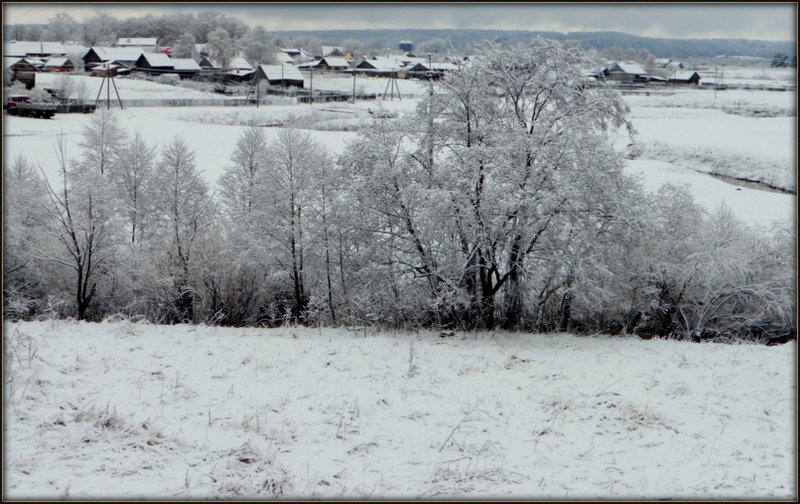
<point>281,75</point>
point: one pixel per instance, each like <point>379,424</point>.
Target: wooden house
<point>327,63</point>
<point>59,64</point>
<point>685,78</point>
<point>280,75</point>
<point>626,71</point>
<point>120,55</point>
<point>20,70</point>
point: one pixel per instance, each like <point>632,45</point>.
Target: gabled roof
<point>117,53</point>
<point>334,61</point>
<point>59,62</point>
<point>381,64</point>
<point>684,75</point>
<point>157,60</point>
<point>281,72</point>
<point>628,67</point>
<point>137,42</point>
<point>185,64</point>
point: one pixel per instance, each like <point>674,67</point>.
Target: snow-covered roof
<point>381,64</point>
<point>685,75</point>
<point>157,60</point>
<point>335,61</point>
<point>21,49</point>
<point>240,72</point>
<point>185,64</point>
<point>118,53</point>
<point>282,72</point>
<point>628,67</point>
<point>59,62</point>
<point>127,42</point>
<point>662,61</point>
<point>237,63</point>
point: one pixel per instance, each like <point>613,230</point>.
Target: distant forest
<point>659,47</point>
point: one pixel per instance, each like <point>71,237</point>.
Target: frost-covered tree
<point>221,47</point>
<point>287,194</point>
<point>23,202</point>
<point>257,47</point>
<point>239,183</point>
<point>81,219</point>
<point>184,47</point>
<point>103,138</point>
<point>63,27</point>
<point>134,182</point>
<point>185,210</point>
<point>100,29</point>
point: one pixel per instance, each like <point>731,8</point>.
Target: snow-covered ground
<point>131,410</point>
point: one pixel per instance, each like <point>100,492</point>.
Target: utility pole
<point>354,85</point>
<point>312,84</point>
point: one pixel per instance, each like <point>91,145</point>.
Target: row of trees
<point>498,202</point>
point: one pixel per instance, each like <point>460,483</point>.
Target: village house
<point>625,71</point>
<point>280,75</point>
<point>58,64</point>
<point>20,70</point>
<point>119,55</point>
<point>145,44</point>
<point>383,67</point>
<point>327,63</point>
<point>686,78</point>
<point>159,63</point>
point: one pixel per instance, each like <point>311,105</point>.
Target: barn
<point>280,75</point>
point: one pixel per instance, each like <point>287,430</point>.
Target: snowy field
<point>681,136</point>
<point>126,410</point>
<point>87,87</point>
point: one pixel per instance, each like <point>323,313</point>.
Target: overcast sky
<point>751,21</point>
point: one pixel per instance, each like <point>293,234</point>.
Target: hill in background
<point>660,47</point>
